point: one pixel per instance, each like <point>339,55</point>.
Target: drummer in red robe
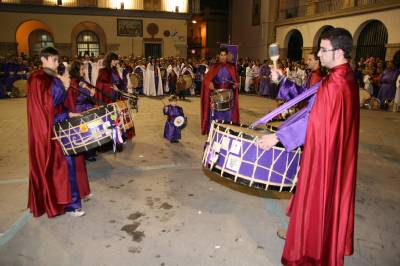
<point>221,75</point>
<point>54,184</point>
<point>321,226</point>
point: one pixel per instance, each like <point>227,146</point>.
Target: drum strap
<point>311,91</point>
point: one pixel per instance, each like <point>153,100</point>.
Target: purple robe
<point>58,96</point>
<point>171,132</point>
<point>265,85</point>
<point>82,101</point>
<point>292,132</point>
<point>388,85</point>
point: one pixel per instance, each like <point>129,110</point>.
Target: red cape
<point>80,163</point>
<point>49,187</point>
<point>205,95</point>
<point>321,223</point>
<point>104,83</point>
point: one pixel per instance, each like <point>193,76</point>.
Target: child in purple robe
<point>172,110</point>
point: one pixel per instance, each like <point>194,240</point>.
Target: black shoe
<point>91,159</point>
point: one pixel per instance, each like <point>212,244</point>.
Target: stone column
<point>391,49</point>
<point>307,51</point>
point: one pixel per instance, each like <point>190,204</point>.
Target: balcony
<point>313,8</point>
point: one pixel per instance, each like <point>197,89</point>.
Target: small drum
<point>233,152</point>
<point>372,104</point>
<point>132,100</point>
<point>221,99</point>
<point>86,132</point>
<point>180,121</point>
<point>20,87</point>
<point>135,80</point>
<point>180,84</point>
<point>188,81</point>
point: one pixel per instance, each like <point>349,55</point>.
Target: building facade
<point>297,26</point>
<point>139,28</point>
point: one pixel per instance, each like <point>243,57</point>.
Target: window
<point>39,39</point>
<point>88,42</point>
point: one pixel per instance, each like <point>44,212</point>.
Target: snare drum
<point>86,132</point>
<point>232,151</point>
<point>221,99</point>
<point>124,113</point>
<point>180,121</point>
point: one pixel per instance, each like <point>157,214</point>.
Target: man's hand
<point>211,86</point>
<point>268,141</point>
<point>92,91</point>
<point>115,88</point>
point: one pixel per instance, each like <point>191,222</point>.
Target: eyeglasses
<point>323,50</point>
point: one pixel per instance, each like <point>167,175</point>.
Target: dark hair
<point>48,51</point>
<point>340,39</point>
<point>109,57</point>
<point>223,49</point>
<point>75,70</point>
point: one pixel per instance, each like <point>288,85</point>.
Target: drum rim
<point>246,135</point>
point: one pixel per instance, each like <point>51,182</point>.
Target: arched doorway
<point>24,34</point>
<point>320,32</point>
<point>39,39</point>
<point>295,46</point>
<point>372,40</point>
<point>88,42</point>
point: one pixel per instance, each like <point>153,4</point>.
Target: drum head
<point>20,86</point>
<point>188,81</point>
<point>134,80</point>
<point>179,121</point>
<point>180,84</point>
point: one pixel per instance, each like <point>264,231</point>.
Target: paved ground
<point>153,203</point>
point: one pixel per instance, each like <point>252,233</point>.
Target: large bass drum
<point>232,152</point>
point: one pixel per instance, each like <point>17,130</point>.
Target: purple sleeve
<point>58,95</point>
<point>292,132</point>
<point>83,96</point>
<point>288,90</point>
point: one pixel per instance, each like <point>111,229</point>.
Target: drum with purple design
<point>86,132</point>
<point>232,152</point>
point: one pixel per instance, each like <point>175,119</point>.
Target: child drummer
<point>172,110</point>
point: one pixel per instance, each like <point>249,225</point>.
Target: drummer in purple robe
<point>172,110</point>
<point>387,89</point>
<point>265,86</point>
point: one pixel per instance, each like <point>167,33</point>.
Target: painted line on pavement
<point>10,233</point>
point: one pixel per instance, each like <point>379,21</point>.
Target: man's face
<point>50,62</point>
<point>222,57</point>
<point>312,63</point>
<point>326,54</point>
